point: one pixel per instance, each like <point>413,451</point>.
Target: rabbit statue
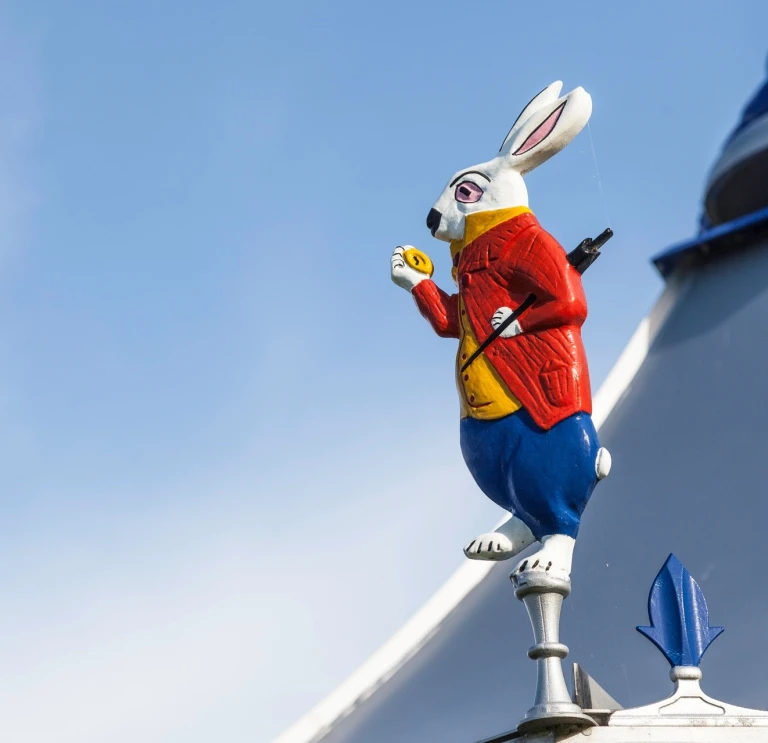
<point>526,430</point>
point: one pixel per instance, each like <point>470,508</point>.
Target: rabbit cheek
<point>451,226</point>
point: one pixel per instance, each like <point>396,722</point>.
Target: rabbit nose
<point>433,220</point>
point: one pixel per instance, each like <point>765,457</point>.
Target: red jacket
<point>545,367</point>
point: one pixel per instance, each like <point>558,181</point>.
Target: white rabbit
<point>526,430</point>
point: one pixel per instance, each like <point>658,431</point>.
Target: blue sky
<point>228,444</point>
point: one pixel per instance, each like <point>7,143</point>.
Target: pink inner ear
<point>541,132</point>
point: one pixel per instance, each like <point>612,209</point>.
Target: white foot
<point>602,463</point>
<point>555,557</point>
<point>512,537</point>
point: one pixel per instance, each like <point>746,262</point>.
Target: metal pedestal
<point>543,597</point>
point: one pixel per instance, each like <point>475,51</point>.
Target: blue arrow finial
<point>678,615</point>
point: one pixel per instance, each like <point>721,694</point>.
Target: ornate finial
<point>678,615</point>
<point>526,434</point>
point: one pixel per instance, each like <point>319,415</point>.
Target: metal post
<point>543,597</point>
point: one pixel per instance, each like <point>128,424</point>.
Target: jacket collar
<point>479,223</point>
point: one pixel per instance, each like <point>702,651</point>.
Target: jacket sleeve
<point>439,308</point>
<point>544,270</point>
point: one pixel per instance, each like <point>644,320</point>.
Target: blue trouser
<point>544,477</point>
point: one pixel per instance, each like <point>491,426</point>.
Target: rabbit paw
<point>554,557</point>
<point>490,546</point>
<point>506,541</point>
<point>512,329</point>
<point>403,273</point>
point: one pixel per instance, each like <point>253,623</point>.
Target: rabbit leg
<point>512,537</point>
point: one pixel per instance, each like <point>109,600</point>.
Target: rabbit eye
<point>468,192</point>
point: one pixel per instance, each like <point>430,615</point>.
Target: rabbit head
<point>544,127</point>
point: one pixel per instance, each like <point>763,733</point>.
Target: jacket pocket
<point>557,383</point>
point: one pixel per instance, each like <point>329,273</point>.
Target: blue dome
<point>738,183</point>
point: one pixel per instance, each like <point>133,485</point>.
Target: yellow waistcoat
<point>482,392</point>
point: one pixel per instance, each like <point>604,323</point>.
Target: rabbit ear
<point>544,98</point>
<point>547,130</point>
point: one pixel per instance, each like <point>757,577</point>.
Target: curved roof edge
<point>738,184</point>
<point>418,630</point>
<point>746,143</point>
<point>713,241</point>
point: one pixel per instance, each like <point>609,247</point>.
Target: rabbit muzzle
<point>433,221</point>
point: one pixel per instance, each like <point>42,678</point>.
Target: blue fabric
<point>544,477</point>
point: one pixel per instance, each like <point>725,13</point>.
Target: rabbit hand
<point>409,267</point>
<point>512,329</point>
